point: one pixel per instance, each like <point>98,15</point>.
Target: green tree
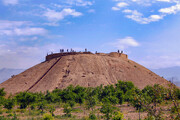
<point>52,109</point>
<point>149,99</point>
<point>80,94</point>
<point>120,96</point>
<point>2,92</point>
<point>118,116</point>
<point>67,110</point>
<point>47,116</point>
<point>92,116</point>
<point>124,86</point>
<point>91,102</point>
<point>9,104</point>
<point>71,103</point>
<point>174,96</point>
<point>41,106</point>
<point>50,97</point>
<point>107,110</point>
<point>25,99</point>
<point>68,94</point>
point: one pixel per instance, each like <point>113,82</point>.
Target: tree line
<point>108,97</point>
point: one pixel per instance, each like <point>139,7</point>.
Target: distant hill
<point>170,72</point>
<point>6,73</point>
<point>85,69</point>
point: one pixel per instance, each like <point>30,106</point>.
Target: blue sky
<point>147,30</point>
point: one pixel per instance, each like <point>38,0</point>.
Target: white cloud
<point>20,28</point>
<point>24,31</point>
<point>29,31</point>
<point>6,24</point>
<point>79,2</point>
<point>138,17</point>
<point>142,18</point>
<point>164,0</point>
<point>171,10</point>
<point>53,15</point>
<point>115,8</point>
<point>10,2</point>
<point>29,39</point>
<point>125,43</point>
<point>119,6</point>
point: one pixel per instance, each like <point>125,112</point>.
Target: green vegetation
<point>102,102</point>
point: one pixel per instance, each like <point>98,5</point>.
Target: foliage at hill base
<point>102,102</point>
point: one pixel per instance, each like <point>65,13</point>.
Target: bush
<point>2,100</point>
<point>51,97</point>
<point>92,116</point>
<point>47,116</point>
<point>118,116</point>
<point>41,106</point>
<point>124,86</point>
<point>9,103</point>
<point>178,93</point>
<point>25,99</point>
<point>52,109</point>
<point>2,92</point>
<point>67,110</point>
<point>72,103</point>
<point>2,118</point>
<point>120,96</point>
<point>107,110</point>
<point>175,110</point>
<point>33,106</point>
<point>91,102</point>
<point>14,117</point>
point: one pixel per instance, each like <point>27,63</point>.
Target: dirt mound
<point>88,70</point>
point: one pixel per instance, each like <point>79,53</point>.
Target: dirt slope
<point>88,70</point>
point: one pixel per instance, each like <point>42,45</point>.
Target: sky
<point>147,30</point>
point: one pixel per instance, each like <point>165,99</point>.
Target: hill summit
<point>86,69</point>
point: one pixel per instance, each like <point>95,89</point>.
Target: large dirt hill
<point>88,70</point>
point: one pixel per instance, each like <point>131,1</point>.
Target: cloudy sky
<point>147,30</point>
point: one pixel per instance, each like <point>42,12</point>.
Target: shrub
<point>52,109</point>
<point>67,110</point>
<point>175,110</point>
<point>14,117</point>
<point>124,86</point>
<point>25,99</point>
<point>91,102</point>
<point>120,96</point>
<point>9,103</point>
<point>47,116</point>
<point>107,110</point>
<point>2,92</point>
<point>118,116</point>
<point>41,106</point>
<point>33,106</point>
<point>72,104</point>
<point>92,116</point>
<point>2,100</point>
<point>51,97</point>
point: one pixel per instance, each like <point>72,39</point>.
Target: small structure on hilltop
<point>73,52</point>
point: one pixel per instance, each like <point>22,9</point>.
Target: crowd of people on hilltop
<point>72,51</point>
<point>68,51</point>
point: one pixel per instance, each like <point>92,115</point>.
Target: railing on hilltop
<point>57,55</point>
